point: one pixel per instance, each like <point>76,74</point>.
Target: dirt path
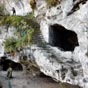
<point>20,80</point>
<point>4,81</point>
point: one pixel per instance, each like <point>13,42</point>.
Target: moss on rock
<point>24,29</point>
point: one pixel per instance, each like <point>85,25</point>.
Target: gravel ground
<point>20,80</point>
<point>3,81</point>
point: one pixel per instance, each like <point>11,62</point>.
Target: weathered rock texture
<point>59,62</point>
<point>22,7</point>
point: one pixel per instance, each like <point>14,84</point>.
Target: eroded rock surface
<point>66,66</point>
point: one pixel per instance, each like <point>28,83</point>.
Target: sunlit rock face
<point>54,59</point>
<point>4,34</point>
<point>22,7</point>
<point>69,65</point>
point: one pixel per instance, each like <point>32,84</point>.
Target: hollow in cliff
<point>4,62</point>
<point>60,37</point>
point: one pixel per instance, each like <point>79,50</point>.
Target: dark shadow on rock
<point>5,64</point>
<point>62,38</point>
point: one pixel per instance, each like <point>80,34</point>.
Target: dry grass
<point>52,2</point>
<point>33,4</point>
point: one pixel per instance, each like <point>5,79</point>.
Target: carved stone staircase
<point>37,38</point>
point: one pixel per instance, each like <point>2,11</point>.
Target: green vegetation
<point>30,15</point>
<point>24,36</point>
<point>25,27</point>
<point>10,44</point>
<point>11,20</point>
<point>17,21</point>
<point>52,2</point>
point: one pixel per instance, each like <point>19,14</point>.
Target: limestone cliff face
<point>4,34</point>
<point>22,7</point>
<point>71,65</point>
<point>61,49</point>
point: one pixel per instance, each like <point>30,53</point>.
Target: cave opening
<point>62,38</point>
<point>4,63</point>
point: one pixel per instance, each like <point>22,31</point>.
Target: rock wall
<point>4,34</point>
<point>64,66</point>
<point>22,7</point>
<point>70,67</point>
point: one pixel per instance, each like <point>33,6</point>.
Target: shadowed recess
<point>4,62</point>
<point>62,38</point>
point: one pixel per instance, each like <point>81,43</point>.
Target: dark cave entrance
<point>62,38</point>
<point>4,63</point>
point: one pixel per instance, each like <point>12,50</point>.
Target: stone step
<point>38,40</point>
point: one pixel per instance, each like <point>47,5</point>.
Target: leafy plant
<point>24,30</point>
<point>11,20</point>
<point>10,44</point>
<point>17,21</point>
<point>24,38</point>
<point>30,15</point>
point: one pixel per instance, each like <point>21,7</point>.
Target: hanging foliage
<point>24,30</point>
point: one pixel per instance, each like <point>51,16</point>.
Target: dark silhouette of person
<point>9,71</point>
<point>14,11</point>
